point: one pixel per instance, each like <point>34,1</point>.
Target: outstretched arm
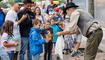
<point>64,32</point>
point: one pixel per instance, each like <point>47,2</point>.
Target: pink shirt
<point>6,38</point>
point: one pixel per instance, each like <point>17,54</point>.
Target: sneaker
<point>79,53</point>
<point>66,53</point>
<point>69,50</point>
<point>74,53</point>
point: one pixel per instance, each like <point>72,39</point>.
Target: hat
<point>70,5</point>
<point>56,9</point>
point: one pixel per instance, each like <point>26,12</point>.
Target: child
<point>55,30</point>
<point>35,40</point>
<point>57,17</point>
<point>48,34</point>
<point>77,42</point>
<point>7,39</point>
<point>68,38</point>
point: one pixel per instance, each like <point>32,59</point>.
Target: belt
<point>89,34</point>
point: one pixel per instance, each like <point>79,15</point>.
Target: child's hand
<point>47,41</point>
<point>41,36</point>
<point>16,44</point>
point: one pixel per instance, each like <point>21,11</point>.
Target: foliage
<point>10,1</point>
<point>0,0</point>
<point>4,5</point>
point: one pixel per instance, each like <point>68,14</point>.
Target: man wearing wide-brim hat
<point>88,26</point>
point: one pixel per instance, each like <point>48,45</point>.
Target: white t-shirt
<point>6,38</point>
<point>66,26</point>
<point>12,16</point>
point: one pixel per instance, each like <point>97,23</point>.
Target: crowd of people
<point>29,30</point>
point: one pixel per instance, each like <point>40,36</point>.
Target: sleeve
<point>51,31</point>
<point>60,18</point>
<point>36,40</point>
<point>47,10</point>
<point>25,22</point>
<point>74,20</point>
<point>42,33</point>
<point>12,18</point>
<point>4,38</point>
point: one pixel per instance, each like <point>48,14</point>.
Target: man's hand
<point>24,16</point>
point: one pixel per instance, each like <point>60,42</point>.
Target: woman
<point>39,16</point>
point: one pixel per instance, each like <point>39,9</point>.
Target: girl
<point>68,38</point>
<point>7,40</point>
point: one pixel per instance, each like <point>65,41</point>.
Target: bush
<point>4,5</point>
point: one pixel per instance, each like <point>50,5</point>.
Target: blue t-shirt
<point>1,18</point>
<point>58,18</point>
<point>55,30</point>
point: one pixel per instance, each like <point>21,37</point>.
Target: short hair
<point>27,1</point>
<point>15,3</point>
<point>47,22</point>
<point>35,21</point>
<point>52,18</point>
<point>74,8</point>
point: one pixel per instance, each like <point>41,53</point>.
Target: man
<point>25,29</point>
<point>12,16</point>
<point>43,9</point>
<point>88,26</point>
<point>2,17</point>
<point>50,8</point>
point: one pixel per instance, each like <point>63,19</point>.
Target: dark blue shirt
<point>26,24</point>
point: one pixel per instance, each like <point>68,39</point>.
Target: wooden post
<point>91,7</point>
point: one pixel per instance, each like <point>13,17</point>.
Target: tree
<point>0,0</point>
<point>10,1</point>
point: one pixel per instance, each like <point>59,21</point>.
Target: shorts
<point>67,39</point>
<point>78,37</point>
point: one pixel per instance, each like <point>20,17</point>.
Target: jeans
<point>11,54</point>
<point>48,50</point>
<point>24,49</point>
<point>36,57</point>
<point>3,54</point>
